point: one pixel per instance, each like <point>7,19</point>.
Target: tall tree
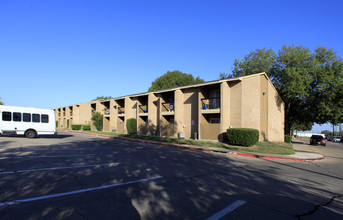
<point>261,60</point>
<point>307,82</point>
<point>328,86</point>
<point>173,79</point>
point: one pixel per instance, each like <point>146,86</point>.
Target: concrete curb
<point>268,157</point>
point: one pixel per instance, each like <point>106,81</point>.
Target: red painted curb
<point>275,158</point>
<point>202,149</point>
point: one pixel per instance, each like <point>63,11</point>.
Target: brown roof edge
<point>184,87</point>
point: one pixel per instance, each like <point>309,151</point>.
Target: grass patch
<point>275,148</point>
<point>261,147</point>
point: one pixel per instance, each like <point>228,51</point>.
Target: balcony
<point>210,105</point>
<point>106,112</point>
<point>168,108</point>
<point>121,110</point>
<point>143,109</point>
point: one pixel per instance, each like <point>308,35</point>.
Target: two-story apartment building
<point>200,111</point>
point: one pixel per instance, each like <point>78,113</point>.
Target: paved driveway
<point>73,176</point>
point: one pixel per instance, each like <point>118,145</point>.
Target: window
<point>26,117</point>
<point>16,116</point>
<point>35,118</point>
<point>6,116</point>
<point>45,118</point>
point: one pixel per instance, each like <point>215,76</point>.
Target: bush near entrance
<point>243,136</point>
<point>131,125</point>
<point>86,127</point>
<point>76,127</point>
<point>97,119</point>
<point>288,138</point>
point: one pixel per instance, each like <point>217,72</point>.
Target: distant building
<point>200,111</point>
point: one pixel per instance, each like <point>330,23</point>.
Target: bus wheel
<point>30,134</point>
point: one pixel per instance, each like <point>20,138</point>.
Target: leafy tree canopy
<point>103,98</point>
<point>310,83</point>
<point>97,119</point>
<point>174,79</point>
<point>1,103</point>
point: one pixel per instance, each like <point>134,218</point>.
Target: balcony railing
<point>106,111</point>
<point>210,103</point>
<point>143,109</point>
<point>121,110</point>
<point>168,107</point>
<point>71,113</point>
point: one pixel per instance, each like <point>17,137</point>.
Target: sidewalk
<point>303,151</point>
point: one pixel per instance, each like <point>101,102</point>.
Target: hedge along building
<point>203,111</point>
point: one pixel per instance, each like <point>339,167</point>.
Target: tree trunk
<point>287,127</point>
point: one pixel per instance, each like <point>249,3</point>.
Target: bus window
<point>45,118</point>
<point>16,116</point>
<point>6,116</point>
<point>26,117</point>
<point>35,118</point>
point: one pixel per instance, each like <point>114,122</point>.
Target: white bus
<point>27,121</point>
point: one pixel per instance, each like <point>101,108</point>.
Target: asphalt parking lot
<point>74,176</point>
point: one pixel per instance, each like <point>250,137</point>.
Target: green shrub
<point>97,119</point>
<point>288,138</point>
<point>76,127</point>
<point>243,136</point>
<point>131,125</point>
<point>86,127</point>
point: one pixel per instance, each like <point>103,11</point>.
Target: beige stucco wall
<point>264,113</point>
<point>224,107</point>
<point>179,112</point>
<point>235,104</point>
<point>276,118</point>
<point>85,113</point>
<point>190,103</point>
<point>153,113</point>
<point>251,103</point>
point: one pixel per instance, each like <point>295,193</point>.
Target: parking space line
<point>227,210</point>
<point>58,168</point>
<point>16,202</point>
<point>53,156</point>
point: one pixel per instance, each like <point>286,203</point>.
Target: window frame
<point>7,114</point>
<point>34,117</point>
<point>16,116</point>
<point>24,117</point>
<point>45,117</point>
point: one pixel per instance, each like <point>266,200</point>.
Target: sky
<point>57,53</point>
